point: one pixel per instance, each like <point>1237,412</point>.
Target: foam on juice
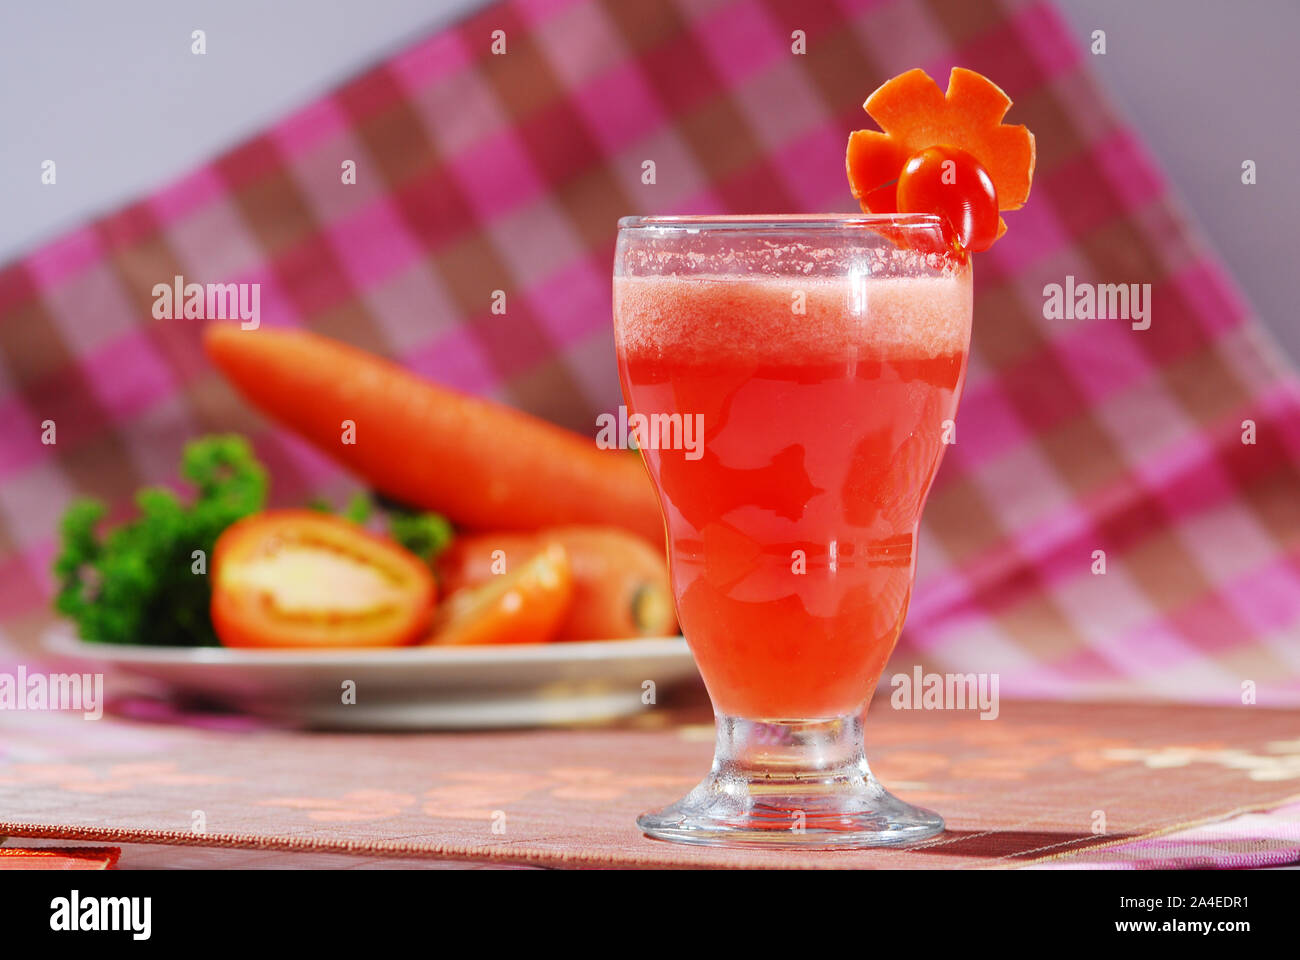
<point>787,316</point>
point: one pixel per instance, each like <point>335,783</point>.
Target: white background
<point>110,91</point>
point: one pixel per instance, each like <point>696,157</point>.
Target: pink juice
<point>792,529</point>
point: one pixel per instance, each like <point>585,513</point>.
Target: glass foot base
<point>802,784</point>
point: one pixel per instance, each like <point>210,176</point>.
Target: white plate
<point>412,687</point>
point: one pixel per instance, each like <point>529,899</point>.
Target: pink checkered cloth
<point>479,172</point>
<point>1246,841</point>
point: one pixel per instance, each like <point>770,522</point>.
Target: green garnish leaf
<point>146,581</point>
<point>358,509</point>
<point>425,534</point>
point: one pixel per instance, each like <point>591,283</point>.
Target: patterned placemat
<point>1043,781</point>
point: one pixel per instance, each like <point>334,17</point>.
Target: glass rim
<point>744,222</point>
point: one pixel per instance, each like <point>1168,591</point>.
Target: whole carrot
<point>481,464</point>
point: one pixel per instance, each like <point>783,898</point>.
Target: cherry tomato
<point>953,184</point>
<point>298,578</point>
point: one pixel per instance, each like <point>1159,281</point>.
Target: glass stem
<point>791,753</point>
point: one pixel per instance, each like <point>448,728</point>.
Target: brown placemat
<point>1042,780</point>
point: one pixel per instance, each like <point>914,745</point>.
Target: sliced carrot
<point>481,464</point>
<point>526,606</point>
<point>914,114</point>
<point>874,162</point>
<point>620,585</point>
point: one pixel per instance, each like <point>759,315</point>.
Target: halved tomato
<point>299,578</point>
<point>526,606</point>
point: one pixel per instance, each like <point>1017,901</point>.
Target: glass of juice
<point>791,382</point>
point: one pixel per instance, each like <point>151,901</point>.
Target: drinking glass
<point>791,383</point>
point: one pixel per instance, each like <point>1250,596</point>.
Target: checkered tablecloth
<point>478,172</point>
